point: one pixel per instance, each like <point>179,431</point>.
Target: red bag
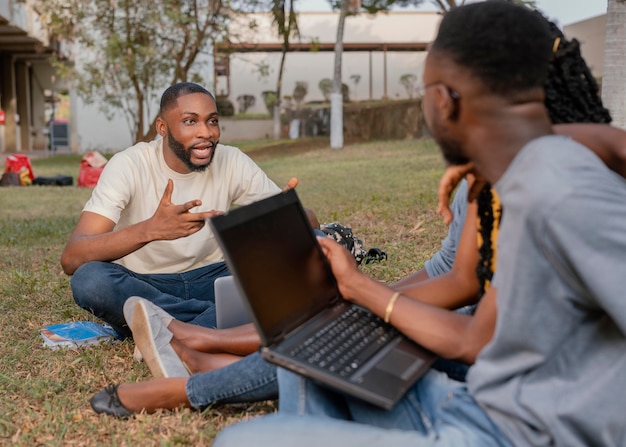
<point>91,166</point>
<point>20,163</point>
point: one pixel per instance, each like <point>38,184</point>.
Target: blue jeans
<point>437,411</point>
<point>102,288</point>
<point>251,379</point>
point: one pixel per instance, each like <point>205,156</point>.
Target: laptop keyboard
<point>345,343</point>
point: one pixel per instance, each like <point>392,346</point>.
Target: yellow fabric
<point>497,212</point>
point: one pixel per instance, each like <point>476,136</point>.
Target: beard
<point>452,151</point>
<point>451,148</point>
<point>184,154</point>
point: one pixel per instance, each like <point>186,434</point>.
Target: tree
<point>299,92</point>
<point>245,102</point>
<point>336,98</point>
<point>286,22</point>
<point>350,7</point>
<point>269,99</point>
<point>408,81</point>
<point>355,78</point>
<point>127,51</point>
<point>613,88</point>
<point>326,87</point>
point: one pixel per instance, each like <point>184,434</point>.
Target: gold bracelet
<point>389,309</point>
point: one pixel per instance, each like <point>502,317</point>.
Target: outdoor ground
<point>384,190</point>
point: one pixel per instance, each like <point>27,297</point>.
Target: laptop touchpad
<point>400,364</point>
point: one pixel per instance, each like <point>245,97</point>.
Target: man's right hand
<point>450,180</point>
<point>171,221</point>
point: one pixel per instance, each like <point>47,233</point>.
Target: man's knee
<point>89,282</point>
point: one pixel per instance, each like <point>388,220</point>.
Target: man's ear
<point>448,102</point>
<point>161,126</point>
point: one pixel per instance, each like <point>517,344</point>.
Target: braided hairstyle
<point>572,96</point>
<point>572,93</point>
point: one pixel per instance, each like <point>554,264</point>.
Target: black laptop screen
<point>271,250</point>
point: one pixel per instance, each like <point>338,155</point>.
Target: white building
<point>27,80</point>
<point>591,33</point>
<point>365,36</point>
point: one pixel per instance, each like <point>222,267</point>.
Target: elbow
<point>68,266</point>
<point>468,352</point>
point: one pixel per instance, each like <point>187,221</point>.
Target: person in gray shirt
<point>551,369</point>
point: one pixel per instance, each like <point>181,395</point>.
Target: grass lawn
<point>384,190</point>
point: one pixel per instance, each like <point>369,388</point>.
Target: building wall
<point>311,67</point>
<point>591,35</point>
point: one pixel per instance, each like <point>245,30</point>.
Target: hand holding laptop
<point>291,294</point>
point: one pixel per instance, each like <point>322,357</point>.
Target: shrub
<point>224,106</point>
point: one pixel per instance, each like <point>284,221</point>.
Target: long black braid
<point>572,96</point>
<point>572,93</point>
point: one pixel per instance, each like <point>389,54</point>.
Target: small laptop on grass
<point>230,310</point>
<point>304,323</point>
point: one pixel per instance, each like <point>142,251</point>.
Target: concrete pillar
<point>8,102</point>
<point>22,87</point>
<point>38,107</point>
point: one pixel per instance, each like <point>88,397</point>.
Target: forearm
<point>452,290</point>
<point>106,247</point>
<point>446,333</point>
<point>442,331</point>
<point>410,281</point>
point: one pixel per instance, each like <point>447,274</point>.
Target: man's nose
<point>208,130</point>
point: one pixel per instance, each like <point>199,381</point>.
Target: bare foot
<point>192,336</point>
<point>154,394</point>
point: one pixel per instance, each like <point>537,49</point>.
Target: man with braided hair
<point>558,342</point>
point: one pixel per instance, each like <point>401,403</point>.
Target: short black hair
<point>169,97</point>
<point>506,46</point>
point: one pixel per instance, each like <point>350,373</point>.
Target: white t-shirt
<point>132,184</point>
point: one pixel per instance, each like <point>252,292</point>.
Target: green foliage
<point>224,106</point>
<point>245,102</point>
<point>326,87</point>
<point>345,93</point>
<point>300,91</point>
<point>376,6</point>
<point>269,98</point>
<point>284,18</point>
<point>408,81</point>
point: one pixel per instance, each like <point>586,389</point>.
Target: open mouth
<point>203,151</point>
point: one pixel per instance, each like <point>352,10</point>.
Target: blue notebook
<point>77,333</point>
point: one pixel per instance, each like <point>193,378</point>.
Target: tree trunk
<point>284,30</point>
<point>279,88</point>
<point>613,79</point>
<point>336,97</point>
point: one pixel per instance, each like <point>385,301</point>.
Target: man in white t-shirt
<point>143,230</point>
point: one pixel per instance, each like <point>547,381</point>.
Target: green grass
<point>384,190</point>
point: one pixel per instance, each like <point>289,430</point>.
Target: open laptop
<point>292,297</point>
<point>230,310</point>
